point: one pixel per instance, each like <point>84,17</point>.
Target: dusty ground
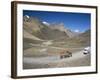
<point>53,61</point>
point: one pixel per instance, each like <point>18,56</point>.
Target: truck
<point>86,50</point>
<point>65,54</point>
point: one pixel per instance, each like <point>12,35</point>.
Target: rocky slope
<point>37,31</point>
<point>37,28</point>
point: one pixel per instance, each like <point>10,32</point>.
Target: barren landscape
<point>48,45</point>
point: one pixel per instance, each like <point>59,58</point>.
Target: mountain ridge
<point>36,26</point>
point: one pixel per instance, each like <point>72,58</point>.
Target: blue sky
<point>78,22</point>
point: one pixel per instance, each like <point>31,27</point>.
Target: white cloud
<point>76,30</point>
<point>46,23</point>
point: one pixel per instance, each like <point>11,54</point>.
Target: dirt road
<point>77,59</point>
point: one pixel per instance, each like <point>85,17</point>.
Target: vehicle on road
<point>86,50</point>
<point>65,54</point>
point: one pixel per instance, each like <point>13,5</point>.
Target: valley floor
<point>53,61</point>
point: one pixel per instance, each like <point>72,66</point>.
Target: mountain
<point>42,30</point>
<point>29,39</point>
<point>37,32</point>
<point>81,40</point>
<point>85,37</point>
<point>30,36</point>
<point>61,27</point>
<point>28,29</point>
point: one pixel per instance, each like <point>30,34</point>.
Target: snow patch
<point>27,16</point>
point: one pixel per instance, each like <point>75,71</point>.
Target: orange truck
<point>65,54</point>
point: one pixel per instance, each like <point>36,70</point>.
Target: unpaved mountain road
<point>77,59</point>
